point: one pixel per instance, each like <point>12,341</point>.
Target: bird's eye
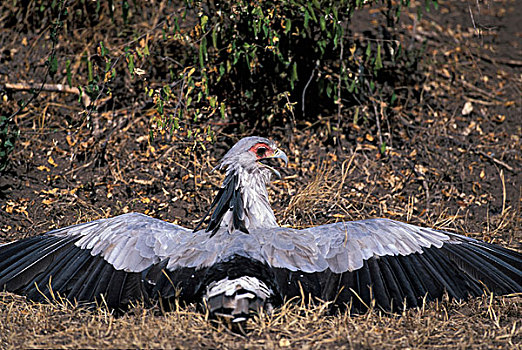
<point>261,152</point>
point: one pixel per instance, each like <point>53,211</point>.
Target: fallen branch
<point>50,88</point>
<point>500,60</point>
<point>495,160</point>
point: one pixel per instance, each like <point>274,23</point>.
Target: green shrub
<point>8,135</point>
<point>272,62</point>
<point>261,58</point>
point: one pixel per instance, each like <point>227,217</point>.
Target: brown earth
<point>443,168</point>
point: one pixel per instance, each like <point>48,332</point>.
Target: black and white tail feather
<point>244,261</point>
<point>236,299</point>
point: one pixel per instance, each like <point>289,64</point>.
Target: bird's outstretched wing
<point>388,262</point>
<point>134,256</point>
<point>110,257</point>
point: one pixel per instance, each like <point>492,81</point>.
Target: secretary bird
<point>244,261</point>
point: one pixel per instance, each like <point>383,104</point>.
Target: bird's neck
<point>242,202</point>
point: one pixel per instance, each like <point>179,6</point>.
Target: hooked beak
<point>278,154</point>
<point>281,155</point>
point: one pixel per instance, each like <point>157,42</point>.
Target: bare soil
<point>443,168</point>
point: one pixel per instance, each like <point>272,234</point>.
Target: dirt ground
<point>454,162</point>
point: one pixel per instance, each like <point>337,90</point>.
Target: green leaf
<point>356,116</point>
<point>393,98</point>
<point>378,59</point>
<point>202,52</point>
<point>383,147</point>
<point>176,25</point>
<point>222,110</point>
<point>322,46</point>
<point>90,75</point>
<point>103,50</point>
<point>306,19</point>
<point>214,37</point>
<point>312,12</point>
<point>80,94</point>
<point>53,65</point>
<point>294,77</point>
<point>212,101</point>
<point>130,64</point>
<point>108,65</point>
<point>288,25</point>
<point>203,21</point>
<point>329,90</point>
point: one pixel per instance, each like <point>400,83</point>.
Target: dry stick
<point>49,87</point>
<point>473,19</point>
<point>304,92</point>
<point>504,198</point>
<point>486,94</point>
<point>495,160</point>
<point>482,153</point>
<point>506,61</point>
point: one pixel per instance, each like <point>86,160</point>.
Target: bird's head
<point>253,153</point>
<point>242,202</point>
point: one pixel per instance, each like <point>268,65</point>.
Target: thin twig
<point>495,160</point>
<point>48,87</point>
<point>304,92</point>
<point>506,61</point>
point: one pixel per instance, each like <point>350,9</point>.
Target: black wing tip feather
<point>499,273</point>
<point>46,268</point>
<point>29,258</point>
<point>508,256</point>
<point>391,283</point>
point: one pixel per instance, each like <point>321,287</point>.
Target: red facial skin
<point>257,149</point>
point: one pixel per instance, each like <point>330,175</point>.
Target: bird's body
<point>244,261</point>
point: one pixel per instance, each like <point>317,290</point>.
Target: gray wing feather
<point>133,242</point>
<point>340,246</point>
<point>130,242</point>
<point>348,244</point>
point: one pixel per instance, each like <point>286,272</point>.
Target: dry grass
<point>482,323</point>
